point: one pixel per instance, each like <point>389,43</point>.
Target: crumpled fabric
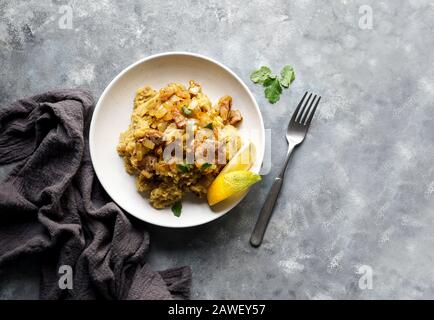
<point>52,205</point>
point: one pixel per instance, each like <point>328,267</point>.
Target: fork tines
<point>304,112</point>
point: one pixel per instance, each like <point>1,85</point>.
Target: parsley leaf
<point>184,167</point>
<point>287,75</point>
<point>273,91</point>
<point>273,85</point>
<point>186,110</point>
<point>208,126</point>
<point>177,208</point>
<point>268,82</point>
<point>205,166</point>
<point>260,75</point>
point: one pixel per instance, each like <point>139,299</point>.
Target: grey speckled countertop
<point>359,193</point>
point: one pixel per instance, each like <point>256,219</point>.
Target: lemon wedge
<point>230,183</point>
<point>242,160</point>
<point>235,176</point>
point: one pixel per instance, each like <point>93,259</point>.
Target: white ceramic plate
<point>112,116</point>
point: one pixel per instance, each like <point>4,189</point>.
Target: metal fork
<point>295,134</point>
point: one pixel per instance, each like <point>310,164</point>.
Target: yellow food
<point>230,183</point>
<point>243,160</point>
<point>178,141</point>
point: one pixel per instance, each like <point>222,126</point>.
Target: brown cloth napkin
<point>53,205</point>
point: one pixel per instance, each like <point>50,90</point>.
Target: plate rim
<point>152,57</point>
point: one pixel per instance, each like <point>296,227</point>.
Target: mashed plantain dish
<point>178,141</point>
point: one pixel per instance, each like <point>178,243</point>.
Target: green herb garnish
<point>287,75</point>
<point>184,167</point>
<point>186,110</point>
<point>177,208</point>
<point>205,166</point>
<point>208,126</point>
<point>260,75</point>
<point>273,85</point>
<point>273,91</point>
<point>268,81</point>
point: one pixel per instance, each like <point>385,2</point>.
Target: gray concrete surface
<point>359,193</point>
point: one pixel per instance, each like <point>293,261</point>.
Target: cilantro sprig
<point>262,74</point>
<point>273,84</point>
<point>184,167</point>
<point>177,208</point>
<point>273,91</point>
<point>205,166</point>
<point>287,76</point>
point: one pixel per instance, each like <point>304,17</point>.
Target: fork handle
<point>267,208</point>
<point>265,214</point>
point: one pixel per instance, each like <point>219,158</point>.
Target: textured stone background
<point>360,190</point>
